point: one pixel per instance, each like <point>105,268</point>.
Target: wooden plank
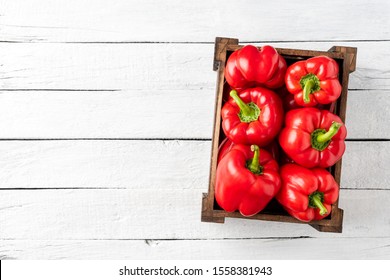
<point>121,164</point>
<point>102,114</point>
<point>299,248</point>
<point>164,214</point>
<point>356,172</point>
<point>53,21</point>
<point>116,158</point>
<point>157,114</point>
<point>151,66</point>
<point>368,114</point>
<point>177,165</point>
<point>106,66</point>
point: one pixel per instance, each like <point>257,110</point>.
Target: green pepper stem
<point>316,200</point>
<point>254,164</point>
<point>309,84</point>
<point>307,89</point>
<point>334,128</point>
<point>245,109</point>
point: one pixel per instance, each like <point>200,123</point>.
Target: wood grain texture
<point>368,114</point>
<point>123,114</point>
<point>151,66</point>
<point>104,164</point>
<point>327,248</point>
<point>146,114</point>
<point>123,70</point>
<point>164,214</point>
<point>152,165</point>
<point>85,21</point>
<point>177,87</point>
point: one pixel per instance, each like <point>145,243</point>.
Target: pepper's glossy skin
<point>295,137</point>
<point>227,145</point>
<point>250,67</point>
<point>326,87</point>
<point>238,188</point>
<point>299,183</point>
<point>260,131</point>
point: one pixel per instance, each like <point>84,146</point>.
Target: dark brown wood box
<point>211,212</point>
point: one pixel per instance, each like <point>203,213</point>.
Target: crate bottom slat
<point>333,223</point>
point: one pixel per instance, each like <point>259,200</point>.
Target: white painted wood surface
<point>189,113</point>
<point>149,214</point>
<point>193,21</point>
<point>152,165</point>
<point>246,249</point>
<point>106,112</point>
<point>147,67</point>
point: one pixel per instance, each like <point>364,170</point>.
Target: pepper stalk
<point>309,83</point>
<point>320,138</point>
<point>254,164</point>
<point>248,112</point>
<point>334,128</point>
<point>315,201</point>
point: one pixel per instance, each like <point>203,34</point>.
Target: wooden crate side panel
<point>221,45</point>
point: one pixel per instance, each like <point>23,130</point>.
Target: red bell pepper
<point>250,67</point>
<point>247,179</point>
<point>227,145</point>
<point>289,102</point>
<point>307,194</point>
<point>314,81</point>
<point>255,116</point>
<point>313,137</point>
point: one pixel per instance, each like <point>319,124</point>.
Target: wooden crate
<point>211,212</point>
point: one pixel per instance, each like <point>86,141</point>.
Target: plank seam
<point>35,41</point>
<point>123,188</point>
<point>159,139</point>
<point>169,239</point>
<point>60,89</point>
<point>200,239</point>
<point>116,90</point>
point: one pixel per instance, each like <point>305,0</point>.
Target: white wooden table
<point>106,113</point>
